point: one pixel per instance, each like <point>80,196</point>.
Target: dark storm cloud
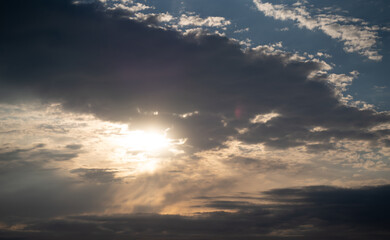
<point>99,62</point>
<point>366,207</point>
<point>301,213</point>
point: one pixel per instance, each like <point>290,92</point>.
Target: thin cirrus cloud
<point>356,34</point>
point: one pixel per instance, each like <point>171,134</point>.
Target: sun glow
<point>138,151</point>
<point>144,141</point>
<point>142,151</point>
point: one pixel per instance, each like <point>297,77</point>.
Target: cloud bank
<point>318,212</point>
<point>121,70</point>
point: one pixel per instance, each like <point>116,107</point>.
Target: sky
<point>194,119</point>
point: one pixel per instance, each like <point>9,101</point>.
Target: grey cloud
<point>53,155</point>
<point>96,175</point>
<point>29,190</point>
<point>12,155</point>
<point>40,145</point>
<point>320,147</point>
<point>258,165</point>
<point>37,153</point>
<point>318,212</point>
<point>119,70</point>
<point>74,146</point>
<point>366,206</point>
<point>53,128</point>
<point>386,142</point>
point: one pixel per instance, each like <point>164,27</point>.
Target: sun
<point>143,141</point>
<point>138,151</point>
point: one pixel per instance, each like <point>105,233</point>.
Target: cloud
<point>34,190</point>
<point>319,212</point>
<point>256,165</point>
<point>65,174</point>
<point>121,70</point>
<point>37,154</point>
<point>74,146</point>
<point>365,207</point>
<point>356,34</point>
<point>154,18</point>
<point>133,8</point>
<point>163,20</point>
<point>96,175</point>
<point>194,20</point>
<point>242,30</point>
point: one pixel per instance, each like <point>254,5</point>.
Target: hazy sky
<point>194,119</point>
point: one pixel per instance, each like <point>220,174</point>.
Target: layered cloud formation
<point>239,127</point>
